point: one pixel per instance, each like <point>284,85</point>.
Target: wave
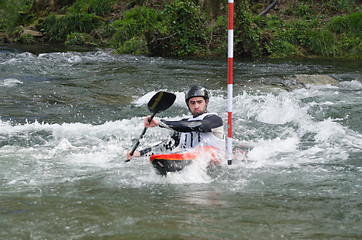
<point>10,82</point>
<point>280,131</point>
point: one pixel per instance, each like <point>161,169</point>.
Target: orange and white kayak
<point>173,162</point>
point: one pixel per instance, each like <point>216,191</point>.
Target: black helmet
<point>196,91</point>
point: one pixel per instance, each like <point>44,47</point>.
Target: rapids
<point>68,118</point>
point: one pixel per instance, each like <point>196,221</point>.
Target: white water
<point>97,147</point>
<point>67,120</point>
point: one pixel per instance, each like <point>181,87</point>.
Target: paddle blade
<point>161,101</point>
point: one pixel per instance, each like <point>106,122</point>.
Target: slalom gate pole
<point>229,143</point>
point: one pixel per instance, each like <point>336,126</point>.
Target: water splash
<point>10,82</point>
<point>65,166</point>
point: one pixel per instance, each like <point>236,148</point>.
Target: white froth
<point>10,82</point>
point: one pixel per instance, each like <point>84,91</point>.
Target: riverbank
<point>183,28</point>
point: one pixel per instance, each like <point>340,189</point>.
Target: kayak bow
<point>173,162</point>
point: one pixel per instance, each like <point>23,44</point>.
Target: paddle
<point>158,103</point>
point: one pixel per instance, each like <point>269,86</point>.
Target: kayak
<point>174,162</point>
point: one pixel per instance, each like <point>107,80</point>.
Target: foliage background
<point>325,28</point>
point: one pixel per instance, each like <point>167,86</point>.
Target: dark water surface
<point>67,119</point>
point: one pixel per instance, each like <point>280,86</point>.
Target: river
<point>68,117</point>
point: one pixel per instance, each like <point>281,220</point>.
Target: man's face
<point>197,106</point>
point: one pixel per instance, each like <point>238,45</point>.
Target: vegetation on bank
<point>327,28</point>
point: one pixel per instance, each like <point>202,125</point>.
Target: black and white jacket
<point>206,130</point>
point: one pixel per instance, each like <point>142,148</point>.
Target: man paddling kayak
<point>201,128</point>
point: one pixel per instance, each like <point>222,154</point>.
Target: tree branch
<point>268,8</point>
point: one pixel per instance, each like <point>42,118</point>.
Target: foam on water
<point>180,98</point>
<point>9,82</point>
<point>86,147</point>
<point>300,178</point>
<point>353,85</point>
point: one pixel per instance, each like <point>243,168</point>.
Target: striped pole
<point>229,143</point>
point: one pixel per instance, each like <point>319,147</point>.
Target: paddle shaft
<point>158,103</point>
<point>143,133</point>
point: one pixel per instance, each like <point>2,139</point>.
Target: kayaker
<point>200,128</point>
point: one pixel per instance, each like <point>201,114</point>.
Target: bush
<point>136,45</point>
<point>215,37</point>
<point>177,31</point>
<point>299,10</point>
<point>80,39</point>
<point>351,46</point>
<point>339,6</point>
<point>351,24</point>
<point>26,39</point>
<point>186,28</point>
<point>281,48</point>
<point>133,24</point>
<point>296,33</point>
<point>303,10</point>
<point>15,13</point>
<point>58,28</point>
<point>129,31</point>
<point>98,7</point>
<point>247,33</point>
<point>322,43</point>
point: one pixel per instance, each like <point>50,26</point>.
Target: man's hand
<point>154,123</point>
<point>135,154</point>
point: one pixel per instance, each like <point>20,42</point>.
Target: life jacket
<point>193,139</point>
